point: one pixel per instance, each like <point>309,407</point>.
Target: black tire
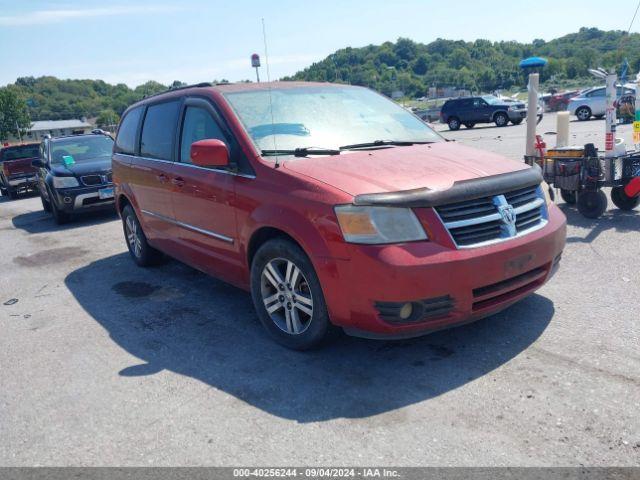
<point>13,194</point>
<point>46,205</point>
<point>621,200</point>
<point>592,204</point>
<point>583,113</point>
<point>317,326</point>
<point>517,122</point>
<point>454,123</point>
<point>501,119</point>
<point>3,191</point>
<point>469,124</point>
<point>59,216</point>
<point>569,196</point>
<point>141,252</point>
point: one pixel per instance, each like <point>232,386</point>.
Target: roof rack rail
<point>170,89</point>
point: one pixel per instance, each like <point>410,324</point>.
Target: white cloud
<point>43,17</point>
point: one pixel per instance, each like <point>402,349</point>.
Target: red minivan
<point>333,206</point>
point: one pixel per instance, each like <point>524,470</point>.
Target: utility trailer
<point>581,173</point>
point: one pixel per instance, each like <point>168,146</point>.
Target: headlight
<point>374,225</point>
<point>65,182</point>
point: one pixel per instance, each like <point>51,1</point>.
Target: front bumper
<point>82,198</point>
<point>517,114</point>
<point>479,281</point>
<point>23,181</point>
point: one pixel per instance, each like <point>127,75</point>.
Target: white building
<point>56,128</point>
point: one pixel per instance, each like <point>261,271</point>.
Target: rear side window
<point>158,130</point>
<point>126,139</point>
<point>198,125</point>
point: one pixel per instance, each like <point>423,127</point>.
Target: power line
<point>633,19</point>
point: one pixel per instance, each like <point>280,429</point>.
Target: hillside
<point>480,65</point>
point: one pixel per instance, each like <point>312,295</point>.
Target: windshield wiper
<point>382,143</point>
<point>301,152</point>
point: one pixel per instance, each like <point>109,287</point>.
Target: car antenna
<point>273,127</point>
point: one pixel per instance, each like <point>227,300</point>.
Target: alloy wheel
<point>286,296</point>
<point>133,237</point>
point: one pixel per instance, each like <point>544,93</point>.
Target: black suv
<point>74,174</point>
<point>468,111</point>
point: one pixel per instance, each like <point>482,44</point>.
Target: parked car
<point>559,101</point>
<point>16,173</point>
<point>469,111</point>
<point>333,206</point>
<point>592,102</point>
<point>74,174</point>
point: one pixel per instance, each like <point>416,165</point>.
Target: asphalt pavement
<point>103,363</point>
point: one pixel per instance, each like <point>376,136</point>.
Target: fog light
<point>67,199</point>
<point>406,311</point>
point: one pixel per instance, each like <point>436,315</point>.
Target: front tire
<point>46,205</point>
<point>569,196</point>
<point>142,253</point>
<point>454,124</point>
<point>501,119</point>
<point>13,194</point>
<point>583,114</point>
<point>621,200</point>
<point>59,216</point>
<point>592,203</point>
<point>287,295</point>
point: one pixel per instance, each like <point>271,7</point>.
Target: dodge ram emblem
<point>508,214</point>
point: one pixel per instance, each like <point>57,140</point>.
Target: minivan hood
<point>435,166</point>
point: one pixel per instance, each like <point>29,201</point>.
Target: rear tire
<point>621,200</point>
<point>501,119</point>
<point>592,204</point>
<point>454,124</point>
<point>142,253</point>
<point>569,196</point>
<point>289,303</point>
<point>583,114</point>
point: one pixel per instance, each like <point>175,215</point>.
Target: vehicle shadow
<point>175,318</point>
<point>619,220</point>
<point>41,221</point>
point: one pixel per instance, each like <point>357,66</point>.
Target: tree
<point>107,118</point>
<point>14,114</point>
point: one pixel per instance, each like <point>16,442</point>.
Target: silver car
<point>593,102</point>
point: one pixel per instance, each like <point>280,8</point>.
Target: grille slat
<point>475,222</point>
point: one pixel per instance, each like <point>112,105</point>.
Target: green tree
<point>107,118</point>
<point>14,115</point>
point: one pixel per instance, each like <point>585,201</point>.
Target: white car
<point>593,102</point>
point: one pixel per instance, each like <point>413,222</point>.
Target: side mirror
<point>209,153</point>
<point>37,163</point>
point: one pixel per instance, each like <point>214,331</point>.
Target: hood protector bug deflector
<point>459,191</point>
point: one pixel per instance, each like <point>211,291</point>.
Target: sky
<point>197,40</point>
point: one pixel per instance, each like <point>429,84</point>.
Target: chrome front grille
<point>487,220</point>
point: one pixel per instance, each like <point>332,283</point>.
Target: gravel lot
<point>103,363</point>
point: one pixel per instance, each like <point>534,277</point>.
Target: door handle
<point>178,181</point>
<point>162,177</point>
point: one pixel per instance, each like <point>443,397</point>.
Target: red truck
<point>16,172</point>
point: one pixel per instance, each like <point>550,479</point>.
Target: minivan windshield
<point>67,151</point>
<point>324,117</point>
